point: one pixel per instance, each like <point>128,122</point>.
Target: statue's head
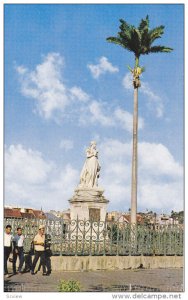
<point>93,143</point>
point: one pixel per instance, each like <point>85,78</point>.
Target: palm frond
<point>157,49</point>
<point>116,40</point>
<point>145,42</point>
<point>126,40</point>
<point>124,37</point>
<point>125,27</point>
<point>144,24</point>
<point>135,41</point>
<point>156,33</point>
<point>130,69</point>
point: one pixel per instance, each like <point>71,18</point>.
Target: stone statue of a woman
<point>91,168</point>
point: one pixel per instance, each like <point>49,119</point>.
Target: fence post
<point>83,234</point>
<point>77,224</point>
<point>90,238</point>
<point>117,239</point>
<point>61,235</point>
<point>104,237</point>
<point>165,241</point>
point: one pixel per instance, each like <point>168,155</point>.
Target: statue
<point>88,201</point>
<point>90,171</point>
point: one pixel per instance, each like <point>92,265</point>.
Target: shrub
<point>69,286</point>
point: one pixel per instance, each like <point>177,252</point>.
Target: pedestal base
<point>88,204</point>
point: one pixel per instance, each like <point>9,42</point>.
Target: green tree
<point>138,40</point>
<point>178,216</point>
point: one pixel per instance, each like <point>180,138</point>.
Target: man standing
<point>39,241</point>
<point>48,253</point>
<point>18,242</point>
<point>8,238</point>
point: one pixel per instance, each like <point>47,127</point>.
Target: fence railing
<point>103,238</point>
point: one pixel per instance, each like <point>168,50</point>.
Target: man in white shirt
<point>8,238</point>
<point>18,250</point>
<point>39,242</point>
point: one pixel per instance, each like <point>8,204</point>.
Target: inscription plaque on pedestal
<point>94,214</point>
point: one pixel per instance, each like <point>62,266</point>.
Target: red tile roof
<point>139,218</point>
<point>39,214</point>
<point>27,215</point>
<point>12,213</point>
<point>31,213</point>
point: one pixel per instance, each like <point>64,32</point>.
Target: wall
<point>88,263</point>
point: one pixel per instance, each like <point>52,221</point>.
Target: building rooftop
<point>29,213</point>
<point>12,213</point>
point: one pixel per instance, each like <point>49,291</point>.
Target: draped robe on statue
<point>91,168</point>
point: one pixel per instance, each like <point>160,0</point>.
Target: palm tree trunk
<point>134,160</point>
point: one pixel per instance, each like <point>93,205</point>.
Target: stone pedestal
<point>88,204</point>
<point>88,209</point>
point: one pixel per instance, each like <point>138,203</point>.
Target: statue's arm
<point>89,153</point>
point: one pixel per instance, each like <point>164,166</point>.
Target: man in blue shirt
<point>18,250</point>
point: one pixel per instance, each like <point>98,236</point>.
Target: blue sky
<point>65,86</point>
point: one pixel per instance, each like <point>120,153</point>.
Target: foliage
<point>115,232</point>
<point>69,286</point>
<point>139,40</point>
<point>178,216</point>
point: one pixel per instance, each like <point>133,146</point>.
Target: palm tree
<point>139,41</point>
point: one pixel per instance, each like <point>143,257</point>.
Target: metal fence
<point>103,238</point>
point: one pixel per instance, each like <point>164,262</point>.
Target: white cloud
<point>154,101</point>
<point>27,165</point>
<point>66,144</point>
<point>126,119</point>
<point>128,81</point>
<point>45,84</point>
<point>103,67</point>
<point>54,100</point>
<point>160,177</point>
<point>31,180</point>
<point>21,70</point>
<point>65,176</point>
<point>156,159</point>
<point>79,94</point>
<point>162,196</point>
<point>97,114</point>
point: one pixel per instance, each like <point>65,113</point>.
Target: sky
<point>65,86</point>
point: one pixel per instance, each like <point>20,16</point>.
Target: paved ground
<point>164,280</point>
